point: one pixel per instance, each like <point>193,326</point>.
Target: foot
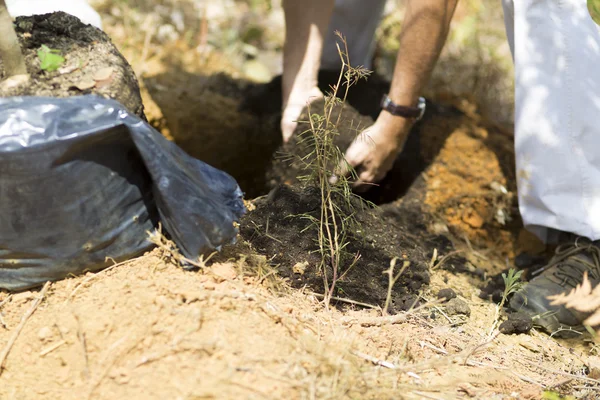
<point>563,273</point>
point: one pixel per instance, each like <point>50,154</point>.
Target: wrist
<point>395,128</point>
<point>409,108</point>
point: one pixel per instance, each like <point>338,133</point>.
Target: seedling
<point>50,59</point>
<point>337,212</point>
<point>512,284</point>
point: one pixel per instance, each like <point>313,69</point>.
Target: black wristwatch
<point>403,111</point>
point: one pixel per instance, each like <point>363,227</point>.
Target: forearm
<point>305,25</point>
<point>424,32</point>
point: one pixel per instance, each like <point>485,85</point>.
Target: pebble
<point>446,294</point>
<point>45,334</point>
<point>457,306</point>
<point>516,323</point>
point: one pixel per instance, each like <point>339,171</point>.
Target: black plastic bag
<point>82,179</point>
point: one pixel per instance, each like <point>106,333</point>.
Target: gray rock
<point>457,306</point>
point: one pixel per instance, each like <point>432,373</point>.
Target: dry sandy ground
<point>147,329</point>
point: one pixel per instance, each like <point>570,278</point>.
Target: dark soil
<point>88,53</point>
<point>393,230</point>
<point>278,228</point>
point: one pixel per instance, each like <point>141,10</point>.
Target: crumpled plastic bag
<point>82,181</point>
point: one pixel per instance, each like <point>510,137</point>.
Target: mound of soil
<point>279,228</point>
<point>92,63</point>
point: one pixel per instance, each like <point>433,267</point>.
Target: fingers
<point>289,120</point>
<point>288,127</point>
<point>292,112</point>
<point>342,170</point>
<point>366,180</point>
<point>355,158</point>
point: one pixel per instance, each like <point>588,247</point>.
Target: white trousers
<point>557,116</point>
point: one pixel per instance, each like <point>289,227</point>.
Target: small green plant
<point>512,284</point>
<point>337,211</point>
<point>50,59</point>
<point>552,395</point>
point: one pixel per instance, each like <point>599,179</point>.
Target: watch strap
<point>400,111</point>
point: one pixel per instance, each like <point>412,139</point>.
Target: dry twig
<point>374,360</point>
<point>384,320</point>
<point>349,301</point>
<point>51,348</point>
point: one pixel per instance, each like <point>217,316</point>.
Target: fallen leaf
<point>103,74</point>
<point>85,84</point>
<point>106,82</point>
<point>72,66</point>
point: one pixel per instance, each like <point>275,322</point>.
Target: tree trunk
<point>10,51</point>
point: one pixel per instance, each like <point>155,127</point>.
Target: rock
<point>446,294</point>
<point>518,322</point>
<point>457,306</point>
<point>300,268</point>
<point>45,334</point>
<point>23,296</point>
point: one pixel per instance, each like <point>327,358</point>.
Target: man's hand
<point>297,100</point>
<point>373,152</point>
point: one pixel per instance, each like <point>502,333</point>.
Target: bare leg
<point>305,25</point>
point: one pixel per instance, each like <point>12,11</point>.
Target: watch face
<point>386,102</point>
<point>422,106</point>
